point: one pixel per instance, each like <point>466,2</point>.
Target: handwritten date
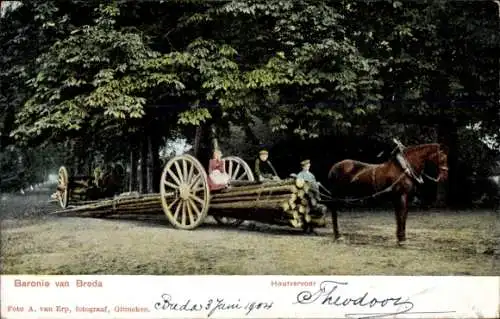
<point>211,306</point>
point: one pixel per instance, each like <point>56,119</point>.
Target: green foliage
<point>315,77</point>
<point>305,68</point>
<point>96,76</point>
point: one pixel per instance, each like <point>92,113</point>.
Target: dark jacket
<point>264,169</point>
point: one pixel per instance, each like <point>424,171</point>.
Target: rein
<point>359,199</point>
<point>407,171</point>
<point>436,180</point>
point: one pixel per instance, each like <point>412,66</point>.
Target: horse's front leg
<point>335,223</point>
<point>401,212</point>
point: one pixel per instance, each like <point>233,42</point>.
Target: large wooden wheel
<point>63,187</point>
<point>186,178</point>
<point>239,170</point>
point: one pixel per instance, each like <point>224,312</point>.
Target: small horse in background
<point>397,178</point>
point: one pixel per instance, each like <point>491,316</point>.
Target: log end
<point>299,182</point>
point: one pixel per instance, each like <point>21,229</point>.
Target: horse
<point>397,178</point>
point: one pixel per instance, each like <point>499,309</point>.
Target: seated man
<point>264,170</point>
<point>217,176</point>
<point>306,175</point>
<point>318,210</point>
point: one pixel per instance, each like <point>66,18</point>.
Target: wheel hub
<point>184,191</point>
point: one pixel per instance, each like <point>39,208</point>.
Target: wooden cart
<point>78,189</point>
<point>186,200</point>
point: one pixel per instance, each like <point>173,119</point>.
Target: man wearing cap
<point>306,175</point>
<point>264,170</point>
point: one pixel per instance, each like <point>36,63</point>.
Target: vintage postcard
<point>250,158</point>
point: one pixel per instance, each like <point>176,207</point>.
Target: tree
<point>300,70</point>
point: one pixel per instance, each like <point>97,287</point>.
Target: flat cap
<point>305,162</point>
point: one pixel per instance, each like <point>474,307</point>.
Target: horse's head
<point>439,156</point>
<point>442,162</point>
<point>435,153</point>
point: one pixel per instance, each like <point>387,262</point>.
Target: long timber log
<point>280,189</point>
<point>252,198</point>
<point>256,204</point>
<point>257,185</point>
<point>287,202</point>
<point>113,203</point>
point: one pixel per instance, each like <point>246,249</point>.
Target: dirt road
<point>440,243</point>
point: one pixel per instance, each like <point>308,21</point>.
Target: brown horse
<point>396,178</point>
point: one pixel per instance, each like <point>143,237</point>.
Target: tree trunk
<point>132,185</point>
<point>89,166</point>
<point>197,140</point>
<point>202,148</point>
<point>448,132</point>
<point>214,140</point>
<point>143,178</point>
<point>150,168</point>
<point>157,169</point>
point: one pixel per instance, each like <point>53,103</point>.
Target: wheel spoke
<point>196,209</point>
<point>242,176</point>
<point>183,221</point>
<point>176,213</point>
<point>230,168</point>
<point>171,185</point>
<point>174,177</point>
<point>172,203</point>
<point>190,174</point>
<point>196,198</point>
<point>195,181</point>
<point>190,213</point>
<point>179,171</point>
<point>198,189</point>
<point>185,171</point>
<point>235,175</point>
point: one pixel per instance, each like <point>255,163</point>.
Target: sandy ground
<point>440,243</point>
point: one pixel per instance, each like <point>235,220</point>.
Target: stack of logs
<point>287,202</point>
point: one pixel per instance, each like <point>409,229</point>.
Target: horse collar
<point>408,169</point>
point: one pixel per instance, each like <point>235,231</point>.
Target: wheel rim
<point>239,170</point>
<point>184,192</point>
<point>63,187</point>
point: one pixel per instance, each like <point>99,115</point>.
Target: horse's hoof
<point>340,239</point>
<point>402,243</point>
<point>313,233</point>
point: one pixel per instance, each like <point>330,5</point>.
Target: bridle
<point>411,172</point>
<point>441,168</point>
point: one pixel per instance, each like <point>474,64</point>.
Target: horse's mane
<point>415,148</point>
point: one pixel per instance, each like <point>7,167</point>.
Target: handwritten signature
<point>211,306</point>
<point>329,293</point>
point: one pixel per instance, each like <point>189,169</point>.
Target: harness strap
<point>385,190</point>
<point>431,178</point>
<point>408,169</point>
